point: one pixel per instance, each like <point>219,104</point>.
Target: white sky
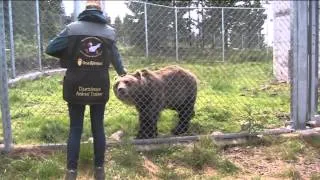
<point>113,8</point>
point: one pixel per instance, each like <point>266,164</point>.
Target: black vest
<point>87,77</point>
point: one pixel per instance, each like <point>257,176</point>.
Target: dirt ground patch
<point>266,162</point>
<point>293,158</point>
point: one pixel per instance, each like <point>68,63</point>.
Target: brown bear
<point>150,92</point>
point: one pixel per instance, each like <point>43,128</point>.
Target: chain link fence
<point>215,33</point>
<point>29,27</point>
<point>227,49</point>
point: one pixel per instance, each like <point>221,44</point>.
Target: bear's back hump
<point>179,83</point>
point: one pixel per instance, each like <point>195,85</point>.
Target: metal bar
<point>12,50</point>
<point>239,8</point>
<point>222,32</point>
<point>242,41</point>
<point>76,9</point>
<point>147,3</point>
<point>176,29</point>
<point>267,31</point>
<point>159,5</point>
<point>38,34</point>
<point>229,137</point>
<point>5,110</point>
<point>314,58</point>
<point>299,99</point>
<point>146,28</point>
<point>103,5</point>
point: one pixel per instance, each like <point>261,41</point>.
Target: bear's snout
<point>121,91</point>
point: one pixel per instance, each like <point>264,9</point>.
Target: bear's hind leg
<point>185,115</point>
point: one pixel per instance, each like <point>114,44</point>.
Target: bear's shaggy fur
<point>150,92</point>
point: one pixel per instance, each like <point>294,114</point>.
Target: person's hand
<point>124,72</point>
<point>118,76</point>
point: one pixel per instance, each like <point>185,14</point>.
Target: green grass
<point>315,176</point>
<point>226,92</point>
<point>291,149</point>
<point>28,167</point>
<point>205,154</point>
<point>292,173</point>
<point>176,162</point>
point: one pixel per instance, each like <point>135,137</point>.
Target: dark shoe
<point>71,175</point>
<point>99,173</point>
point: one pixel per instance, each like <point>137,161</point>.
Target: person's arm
<point>58,45</point>
<point>117,61</point>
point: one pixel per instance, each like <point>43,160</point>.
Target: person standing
<point>86,48</point>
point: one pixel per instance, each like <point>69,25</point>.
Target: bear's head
<point>126,88</point>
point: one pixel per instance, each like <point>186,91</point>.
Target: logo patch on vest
<point>91,49</point>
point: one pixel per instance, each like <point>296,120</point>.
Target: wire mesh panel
<point>199,33</point>
<point>52,20</point>
<point>21,25</point>
<point>239,93</point>
<point>243,36</point>
<point>132,32</point>
<point>35,105</point>
<point>24,35</point>
<point>161,31</point>
<point>282,35</point>
<point>224,78</point>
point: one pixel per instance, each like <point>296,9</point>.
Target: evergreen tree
<point>51,18</point>
<point>119,29</point>
<point>242,27</point>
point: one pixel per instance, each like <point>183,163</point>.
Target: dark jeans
<point>76,114</point>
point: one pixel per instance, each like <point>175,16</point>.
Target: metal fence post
<point>299,48</point>
<point>176,29</point>
<point>76,9</point>
<point>12,50</point>
<point>242,41</point>
<point>314,58</point>
<point>38,34</point>
<point>222,29</point>
<point>5,111</point>
<point>146,28</point>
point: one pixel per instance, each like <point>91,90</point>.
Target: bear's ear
<point>138,75</point>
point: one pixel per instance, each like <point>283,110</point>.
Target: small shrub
<point>53,131</point>
<point>86,154</point>
<point>226,167</point>
<point>256,178</point>
<point>49,168</point>
<point>206,153</point>
<point>291,149</point>
<point>313,141</point>
<point>169,174</point>
<point>220,114</point>
<point>252,124</point>
<point>15,98</point>
<point>128,157</point>
<point>202,153</point>
<point>293,174</point>
<point>21,168</point>
<point>315,176</point>
<point>22,165</point>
